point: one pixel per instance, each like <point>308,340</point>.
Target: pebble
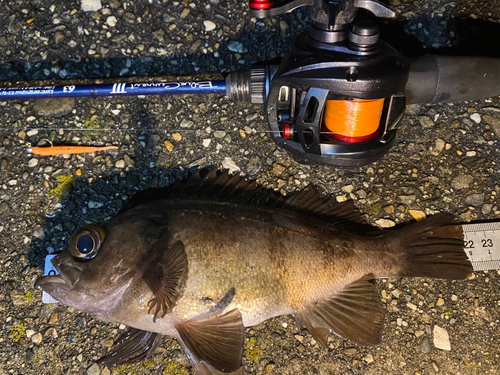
<point>91,5</point>
<point>177,137</point>
<point>107,343</point>
<point>494,123</point>
<point>55,107</point>
<point>235,46</point>
<point>58,37</point>
<point>350,351</point>
<point>476,117</point>
<point>129,161</point>
<point>475,199</point>
<point>440,302</point>
<point>4,164</point>
<point>111,21</point>
<point>18,298</point>
<point>169,146</point>
<point>435,366</point>
<point>278,168</point>
<point>120,164</point>
<point>487,208</point>
<point>209,25</point>
<point>94,370</point>
<point>94,204</point>
<point>299,338</point>
<point>185,123</point>
<point>426,122</point>
<point>254,165</point>
<point>368,358</point>
<point>36,339</point>
<point>159,34</point>
<point>185,12</point>
<point>441,338</point>
<point>347,188</point>
<point>439,145</point>
<point>219,134</point>
<point>32,132</point>
<point>54,318</point>
<point>29,333</point>
<point>51,332</point>
<point>270,367</point>
<point>105,371</point>
<point>229,164</point>
<point>33,162</point>
<point>462,181</point>
<point>426,345</point>
<point>407,199</point>
<point>206,142</point>
<point>417,215</point>
<point>385,223</point>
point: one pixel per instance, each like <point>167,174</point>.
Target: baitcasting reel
<point>338,95</point>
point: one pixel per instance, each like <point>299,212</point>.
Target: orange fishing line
<point>61,150</point>
<point>351,119</point>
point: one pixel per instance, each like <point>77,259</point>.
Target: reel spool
<point>352,121</point>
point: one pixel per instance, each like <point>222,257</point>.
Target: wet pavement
<point>446,159</point>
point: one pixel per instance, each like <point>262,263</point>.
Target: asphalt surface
<point>446,159</point>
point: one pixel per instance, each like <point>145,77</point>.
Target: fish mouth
<point>59,285</point>
<point>43,281</point>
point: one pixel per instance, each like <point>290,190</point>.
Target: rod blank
<point>114,89</point>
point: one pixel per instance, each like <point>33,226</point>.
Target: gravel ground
<point>446,159</point>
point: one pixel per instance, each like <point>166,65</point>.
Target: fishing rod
<point>338,96</point>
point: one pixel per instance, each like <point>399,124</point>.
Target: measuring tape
<point>481,243</point>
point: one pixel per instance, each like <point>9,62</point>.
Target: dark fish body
<point>205,259</point>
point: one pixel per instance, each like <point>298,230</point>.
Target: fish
<point>202,259</point>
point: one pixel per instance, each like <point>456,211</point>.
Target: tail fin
<point>433,248</point>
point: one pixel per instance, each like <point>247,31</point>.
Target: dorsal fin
<point>222,186</point>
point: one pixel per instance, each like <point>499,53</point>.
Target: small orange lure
<point>61,150</point>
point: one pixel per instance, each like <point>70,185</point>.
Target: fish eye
<point>86,242</point>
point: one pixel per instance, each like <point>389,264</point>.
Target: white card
<point>49,270</point>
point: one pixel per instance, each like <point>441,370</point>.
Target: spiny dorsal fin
<point>222,186</point>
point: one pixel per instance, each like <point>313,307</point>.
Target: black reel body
<point>337,97</point>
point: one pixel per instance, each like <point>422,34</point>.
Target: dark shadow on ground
<point>112,190</point>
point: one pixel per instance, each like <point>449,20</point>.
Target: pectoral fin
<point>214,344</point>
<point>134,346</point>
<point>166,278</point>
<point>355,314</point>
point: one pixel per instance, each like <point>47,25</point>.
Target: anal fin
<point>214,343</point>
<point>132,347</point>
<point>355,313</point>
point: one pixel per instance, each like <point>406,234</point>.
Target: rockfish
<point>203,259</point>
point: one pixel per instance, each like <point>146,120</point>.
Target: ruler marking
<point>482,245</point>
